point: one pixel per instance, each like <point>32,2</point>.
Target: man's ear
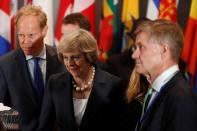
<point>165,48</point>
<point>44,30</point>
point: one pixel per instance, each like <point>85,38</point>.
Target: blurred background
<point>111,23</point>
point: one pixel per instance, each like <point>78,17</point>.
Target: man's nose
<point>26,39</point>
<point>135,54</point>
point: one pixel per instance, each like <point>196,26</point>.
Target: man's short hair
<point>32,10</point>
<point>164,31</point>
<point>77,19</point>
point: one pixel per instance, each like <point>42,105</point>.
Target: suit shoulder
<point>179,90</point>
<point>57,76</point>
<point>51,50</point>
<point>7,58</point>
<point>108,76</point>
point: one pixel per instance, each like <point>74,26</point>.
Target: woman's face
<point>76,63</point>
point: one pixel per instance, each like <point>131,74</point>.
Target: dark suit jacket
<point>102,111</point>
<point>16,88</point>
<point>174,109</point>
<point>130,115</point>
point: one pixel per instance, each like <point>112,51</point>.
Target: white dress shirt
<point>161,80</point>
<point>42,63</point>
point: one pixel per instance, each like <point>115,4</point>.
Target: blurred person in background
<point>75,21</point>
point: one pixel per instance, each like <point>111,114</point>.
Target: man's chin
<point>140,70</point>
<point>27,52</point>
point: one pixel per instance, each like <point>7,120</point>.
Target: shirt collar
<point>164,77</point>
<point>42,54</point>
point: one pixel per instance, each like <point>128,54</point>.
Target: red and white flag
<point>27,2</point>
<point>65,8</point>
<point>87,8</point>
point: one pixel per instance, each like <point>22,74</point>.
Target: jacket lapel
<point>97,97</point>
<point>65,101</point>
<point>157,102</point>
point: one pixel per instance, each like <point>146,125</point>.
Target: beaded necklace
<point>85,87</point>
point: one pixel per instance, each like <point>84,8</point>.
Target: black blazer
<point>102,110</point>
<point>174,109</point>
<point>16,88</point>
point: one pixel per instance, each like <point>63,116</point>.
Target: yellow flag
<point>130,9</point>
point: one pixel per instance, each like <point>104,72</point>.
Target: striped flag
<point>189,53</point>
<point>87,8</point>
<point>7,11</point>
<point>109,30</point>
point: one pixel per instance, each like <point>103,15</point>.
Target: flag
<point>168,10</point>
<point>7,11</point>
<point>192,65</point>
<point>189,53</point>
<point>129,13</point>
<point>64,9</point>
<point>47,7</point>
<point>14,8</point>
<point>87,8</point>
<point>27,2</point>
<point>108,32</point>
<point>190,31</point>
<point>153,9</point>
<point>162,9</point>
<point>195,81</point>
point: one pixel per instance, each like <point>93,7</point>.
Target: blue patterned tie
<point>38,79</point>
